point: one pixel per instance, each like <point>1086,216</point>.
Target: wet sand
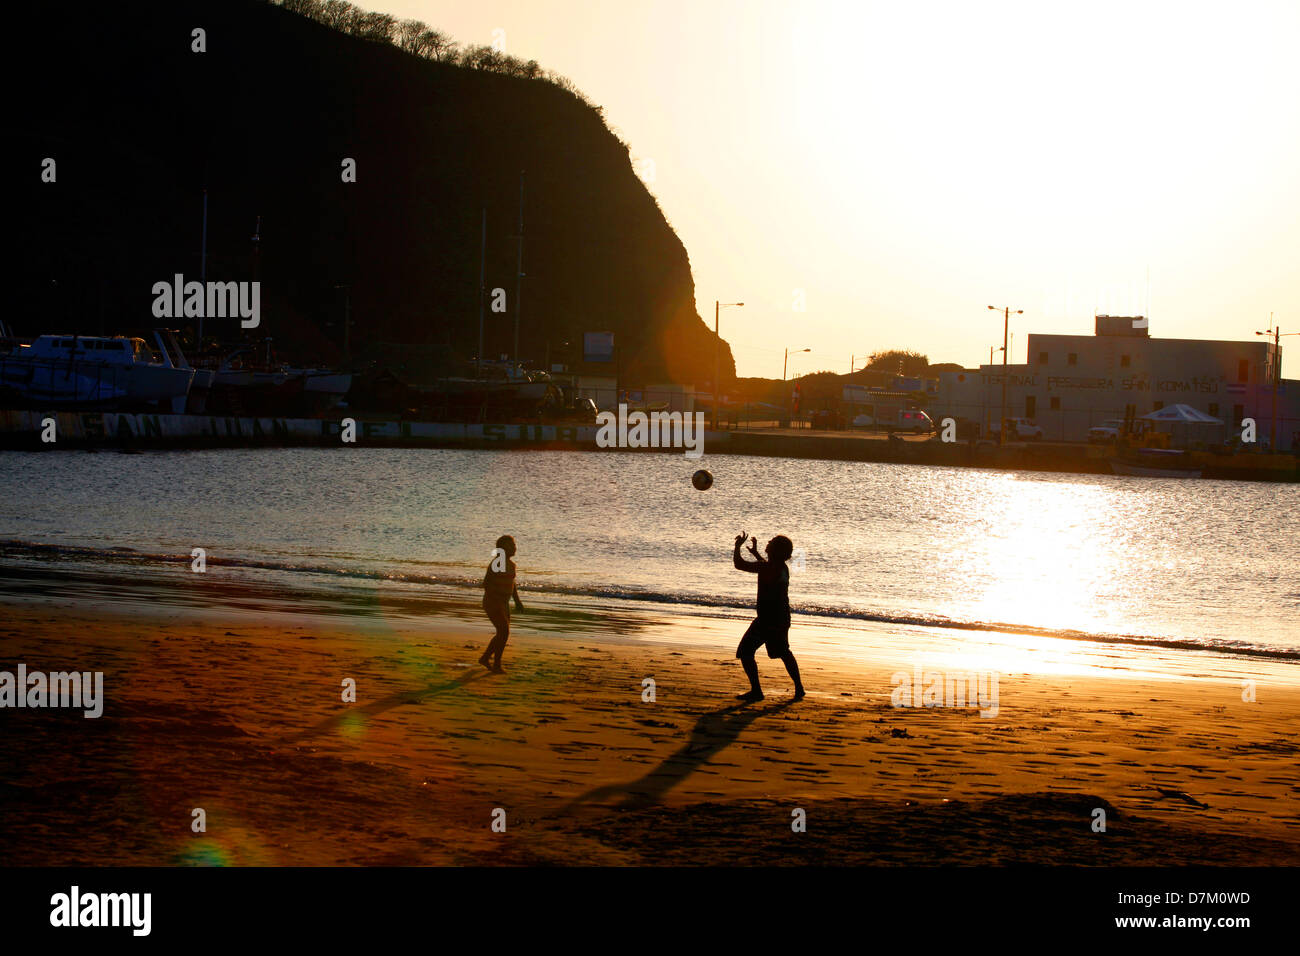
<point>239,712</point>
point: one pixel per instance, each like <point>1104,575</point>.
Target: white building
<point>1072,382</point>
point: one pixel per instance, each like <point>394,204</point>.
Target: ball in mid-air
<point>702,480</point>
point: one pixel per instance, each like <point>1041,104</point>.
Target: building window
<point>1214,409</point>
<point>1074,358</point>
<point>1056,403</point>
<point>1042,358</point>
<point>1243,370</point>
<point>1238,413</point>
<point>1125,361</point>
<point>1031,405</point>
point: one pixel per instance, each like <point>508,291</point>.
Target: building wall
<point>1073,382</point>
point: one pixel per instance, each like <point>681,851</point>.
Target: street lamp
<point>1006,325</point>
<point>1277,333</point>
<point>717,351</point>
<point>786,361</point>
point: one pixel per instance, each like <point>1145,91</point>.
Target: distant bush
<point>418,39</point>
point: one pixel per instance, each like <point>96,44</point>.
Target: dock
<point>30,431</point>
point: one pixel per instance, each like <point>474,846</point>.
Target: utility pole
<point>785,363</point>
<point>1006,328</point>
<point>1276,331</point>
<point>1277,376</point>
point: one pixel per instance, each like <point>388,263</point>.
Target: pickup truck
<point>1106,431</point>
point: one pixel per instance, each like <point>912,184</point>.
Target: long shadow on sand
<point>712,733</point>
<point>388,703</point>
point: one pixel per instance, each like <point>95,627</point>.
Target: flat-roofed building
<point>1073,382</point>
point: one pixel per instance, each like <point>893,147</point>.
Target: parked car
<point>1106,431</point>
<point>914,420</point>
<point>1023,429</point>
<point>897,420</point>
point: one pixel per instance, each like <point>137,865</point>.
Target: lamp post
<point>1277,333</point>
<point>1006,326</point>
<point>717,352</point>
<point>786,361</point>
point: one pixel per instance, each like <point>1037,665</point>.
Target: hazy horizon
<point>907,167</point>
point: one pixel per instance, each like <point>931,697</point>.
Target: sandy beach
<point>239,712</point>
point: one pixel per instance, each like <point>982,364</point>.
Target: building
<point>1073,382</point>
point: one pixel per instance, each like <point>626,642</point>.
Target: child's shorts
<point>775,636</point>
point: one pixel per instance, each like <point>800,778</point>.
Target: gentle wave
<point>681,602</point>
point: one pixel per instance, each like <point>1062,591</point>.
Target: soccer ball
<point>702,480</point>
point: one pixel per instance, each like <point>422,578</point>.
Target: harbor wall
<point>86,429</point>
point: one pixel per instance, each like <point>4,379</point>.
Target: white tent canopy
<point>1181,414</point>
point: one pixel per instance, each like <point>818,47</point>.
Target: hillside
<point>139,125</point>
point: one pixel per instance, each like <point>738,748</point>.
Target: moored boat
<point>91,371</point>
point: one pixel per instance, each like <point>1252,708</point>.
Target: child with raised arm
<point>498,589</point>
<point>772,625</point>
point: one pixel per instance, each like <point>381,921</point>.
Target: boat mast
<point>203,262</point>
<point>482,265</point>
<point>519,264</point>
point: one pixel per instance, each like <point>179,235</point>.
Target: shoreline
<point>237,710</point>
<point>138,431</point>
<point>327,593</point>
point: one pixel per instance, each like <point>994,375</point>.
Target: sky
<point>867,176</point>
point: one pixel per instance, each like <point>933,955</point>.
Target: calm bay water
<point>1209,562</point>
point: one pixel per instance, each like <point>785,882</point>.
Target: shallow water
<point>1211,563</point>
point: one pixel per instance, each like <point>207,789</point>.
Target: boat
<point>170,349</point>
<point>91,372</point>
<point>1155,463</point>
<point>249,383</point>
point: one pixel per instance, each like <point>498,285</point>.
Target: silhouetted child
<point>772,626</point>
<point>498,589</point>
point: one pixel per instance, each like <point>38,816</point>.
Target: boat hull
<point>41,383</point>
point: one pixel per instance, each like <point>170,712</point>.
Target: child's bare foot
<point>799,693</point>
<point>484,661</point>
<point>753,695</point>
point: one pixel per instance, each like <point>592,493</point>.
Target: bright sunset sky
<point>908,164</point>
